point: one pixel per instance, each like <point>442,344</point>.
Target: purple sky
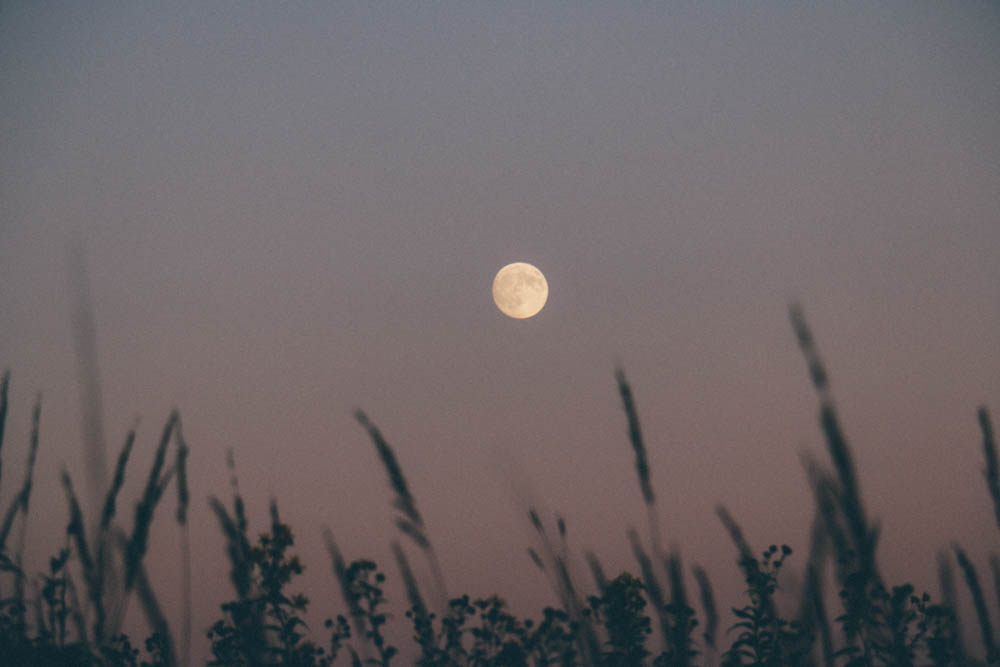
<point>293,211</point>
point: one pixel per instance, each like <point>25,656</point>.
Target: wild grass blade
<point>110,500</point>
<point>979,601</point>
<point>109,585</point>
<point>351,598</point>
<point>596,570</point>
<point>76,611</point>
<point>850,499</point>
<point>44,628</point>
<point>748,562</point>
<point>863,536</point>
<point>411,523</point>
<point>413,532</point>
<point>829,527</point>
<point>251,624</point>
<point>577,608</point>
<point>735,533</point>
<point>404,500</point>
<point>4,385</point>
<point>815,612</point>
<point>641,461</point>
<point>77,532</point>
<point>410,582</point>
<point>635,436</point>
<point>587,640</point>
<point>708,606</point>
<point>36,418</point>
<point>24,499</point>
<point>85,345</point>
<point>20,501</point>
<point>151,609</point>
<point>653,588</point>
<point>183,493</point>
<point>183,500</point>
<point>555,566</point>
<point>681,611</point>
<point>678,592</point>
<point>812,612</point>
<point>423,627</point>
<point>136,547</point>
<point>550,555</point>
<point>949,597</point>
<point>237,548</point>
<point>992,471</point>
<point>8,521</point>
<point>995,569</point>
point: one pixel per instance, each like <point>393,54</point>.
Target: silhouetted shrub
<point>264,625</point>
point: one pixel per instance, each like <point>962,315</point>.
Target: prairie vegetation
<point>71,613</point>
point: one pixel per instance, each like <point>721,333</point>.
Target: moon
<point>520,290</point>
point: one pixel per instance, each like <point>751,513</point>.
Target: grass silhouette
<point>630,619</point>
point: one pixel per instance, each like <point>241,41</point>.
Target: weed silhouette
<point>630,619</point>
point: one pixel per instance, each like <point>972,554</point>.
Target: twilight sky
<point>291,210</point>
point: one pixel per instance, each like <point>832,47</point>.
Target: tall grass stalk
<point>877,623</point>
<point>653,588</point>
<point>411,522</point>
<point>556,569</point>
<point>4,385</point>
<point>735,533</point>
<point>992,471</point>
<point>250,625</point>
<point>77,532</point>
<point>995,569</point>
<point>710,633</point>
<point>949,597</point>
<point>680,640</point>
<point>596,570</point>
<point>849,496</point>
<point>183,500</point>
<point>237,548</point>
<point>135,549</point>
<point>423,621</point>
<point>76,611</point>
<point>155,617</point>
<point>641,462</point>
<point>351,599</point>
<point>20,502</point>
<point>29,473</point>
<point>829,530</point>
<point>747,561</point>
<point>816,612</point>
<point>133,546</point>
<point>108,588</point>
<point>979,602</point>
<point>85,345</point>
<point>590,646</point>
<point>111,499</point>
<point>812,614</point>
<point>20,505</point>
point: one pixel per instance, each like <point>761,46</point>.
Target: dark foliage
<point>639,619</point>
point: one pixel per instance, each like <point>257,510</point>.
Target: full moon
<point>520,290</point>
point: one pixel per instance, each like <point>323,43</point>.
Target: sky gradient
<point>289,212</point>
